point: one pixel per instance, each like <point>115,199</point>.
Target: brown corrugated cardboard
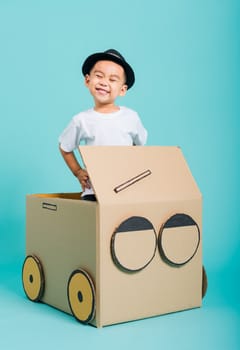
<point>136,252</point>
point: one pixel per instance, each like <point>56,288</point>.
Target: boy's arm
<point>74,166</point>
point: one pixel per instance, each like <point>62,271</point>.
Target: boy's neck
<point>106,109</point>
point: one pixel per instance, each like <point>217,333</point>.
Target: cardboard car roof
<point>133,174</point>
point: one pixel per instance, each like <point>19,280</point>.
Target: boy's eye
<point>114,79</point>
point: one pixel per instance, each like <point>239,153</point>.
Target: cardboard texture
<point>135,253</point>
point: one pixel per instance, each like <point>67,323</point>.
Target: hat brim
<point>102,56</point>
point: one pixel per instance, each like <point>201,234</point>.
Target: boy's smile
<point>102,91</point>
<point>106,82</point>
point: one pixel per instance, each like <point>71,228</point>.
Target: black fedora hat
<point>109,55</point>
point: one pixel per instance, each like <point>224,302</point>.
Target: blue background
<point>186,58</point>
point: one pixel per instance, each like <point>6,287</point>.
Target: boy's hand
<point>74,166</point>
<point>83,178</point>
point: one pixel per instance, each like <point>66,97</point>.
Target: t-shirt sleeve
<point>140,136</point>
<point>70,139</point>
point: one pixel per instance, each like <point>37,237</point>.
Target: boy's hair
<point>109,55</point>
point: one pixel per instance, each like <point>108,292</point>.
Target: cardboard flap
<point>134,174</point>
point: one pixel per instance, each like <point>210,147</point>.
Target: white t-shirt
<point>120,128</point>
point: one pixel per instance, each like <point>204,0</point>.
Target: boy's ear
<point>123,90</point>
<point>87,79</point>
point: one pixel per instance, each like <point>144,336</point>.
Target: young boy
<point>107,76</point>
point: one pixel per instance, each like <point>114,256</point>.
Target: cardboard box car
<point>135,253</point>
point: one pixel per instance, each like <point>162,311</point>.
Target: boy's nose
<point>103,82</point>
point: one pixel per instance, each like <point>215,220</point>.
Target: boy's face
<point>106,82</point>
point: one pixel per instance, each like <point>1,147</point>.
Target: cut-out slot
<point>49,206</point>
<point>132,181</point>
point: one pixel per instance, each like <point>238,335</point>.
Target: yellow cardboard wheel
<point>81,296</point>
<point>204,282</point>
<point>33,278</point>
